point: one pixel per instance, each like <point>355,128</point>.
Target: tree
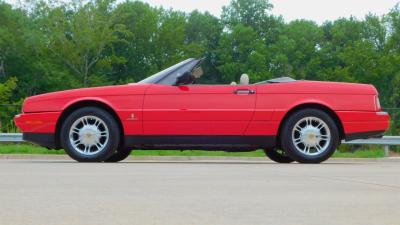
<point>169,39</point>
<point>6,90</point>
<point>392,56</point>
<point>202,35</point>
<point>203,28</point>
<point>10,34</point>
<point>136,44</point>
<point>241,51</point>
<point>252,13</point>
<point>79,36</point>
<point>295,48</point>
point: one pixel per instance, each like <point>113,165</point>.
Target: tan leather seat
<point>244,79</point>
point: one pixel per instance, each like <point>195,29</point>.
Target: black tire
<point>109,147</point>
<point>288,144</point>
<point>119,155</point>
<point>278,156</point>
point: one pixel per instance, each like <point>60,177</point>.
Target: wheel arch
<point>319,106</point>
<point>85,103</point>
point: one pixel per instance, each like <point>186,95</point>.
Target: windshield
<point>168,75</point>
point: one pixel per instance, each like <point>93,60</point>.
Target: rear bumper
<point>365,135</point>
<point>364,125</point>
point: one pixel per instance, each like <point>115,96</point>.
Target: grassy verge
<point>32,149</point>
<point>25,149</point>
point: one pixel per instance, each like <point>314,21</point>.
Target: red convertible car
<point>291,120</point>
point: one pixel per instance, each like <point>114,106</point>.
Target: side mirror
<point>185,78</point>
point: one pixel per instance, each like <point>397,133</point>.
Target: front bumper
<point>38,128</point>
<point>44,122</point>
<point>42,139</point>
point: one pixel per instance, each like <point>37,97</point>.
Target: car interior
<point>190,70</point>
<point>197,72</point>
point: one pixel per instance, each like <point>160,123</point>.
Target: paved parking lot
<point>196,192</point>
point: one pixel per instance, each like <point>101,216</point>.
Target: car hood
<point>31,103</point>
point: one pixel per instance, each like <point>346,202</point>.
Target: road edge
<point>187,158</point>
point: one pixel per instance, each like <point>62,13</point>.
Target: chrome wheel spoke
<point>84,121</point>
<point>104,134</point>
<point>318,147</point>
<point>307,149</point>
<point>99,146</point>
<point>297,140</point>
<point>298,128</point>
<point>75,130</point>
<point>324,137</point>
<point>320,126</point>
<point>97,123</point>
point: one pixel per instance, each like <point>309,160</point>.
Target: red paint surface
<point>210,109</point>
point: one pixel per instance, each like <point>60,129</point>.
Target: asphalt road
<point>64,192</point>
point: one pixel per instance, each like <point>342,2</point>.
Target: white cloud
<point>316,10</point>
<point>322,10</point>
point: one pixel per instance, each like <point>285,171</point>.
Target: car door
<point>198,109</point>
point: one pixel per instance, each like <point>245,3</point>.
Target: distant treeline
<point>48,46</point>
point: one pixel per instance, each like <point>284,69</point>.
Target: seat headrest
<point>244,79</point>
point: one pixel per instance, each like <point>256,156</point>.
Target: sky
<point>316,10</point>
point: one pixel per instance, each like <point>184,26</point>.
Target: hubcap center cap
<point>89,135</point>
<point>311,136</point>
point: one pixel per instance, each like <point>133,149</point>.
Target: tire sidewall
<point>290,148</point>
<point>111,145</point>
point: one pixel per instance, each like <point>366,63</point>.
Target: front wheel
<point>90,134</point>
<point>309,136</point>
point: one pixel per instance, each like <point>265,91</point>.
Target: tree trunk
<point>2,69</point>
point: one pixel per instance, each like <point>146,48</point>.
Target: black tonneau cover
<point>278,80</point>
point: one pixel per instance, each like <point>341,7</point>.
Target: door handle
<point>244,92</point>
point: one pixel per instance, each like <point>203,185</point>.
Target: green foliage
<point>80,37</point>
<point>251,13</point>
<point>6,90</point>
<point>241,51</point>
<point>50,46</point>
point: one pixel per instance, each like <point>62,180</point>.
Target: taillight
<point>377,103</point>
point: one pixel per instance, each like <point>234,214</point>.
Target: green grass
<point>25,149</point>
<point>32,149</point>
<point>379,153</point>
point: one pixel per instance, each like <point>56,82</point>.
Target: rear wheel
<point>309,136</point>
<point>90,134</point>
<point>278,155</point>
<point>119,155</point>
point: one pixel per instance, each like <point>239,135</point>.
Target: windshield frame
<point>165,74</point>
